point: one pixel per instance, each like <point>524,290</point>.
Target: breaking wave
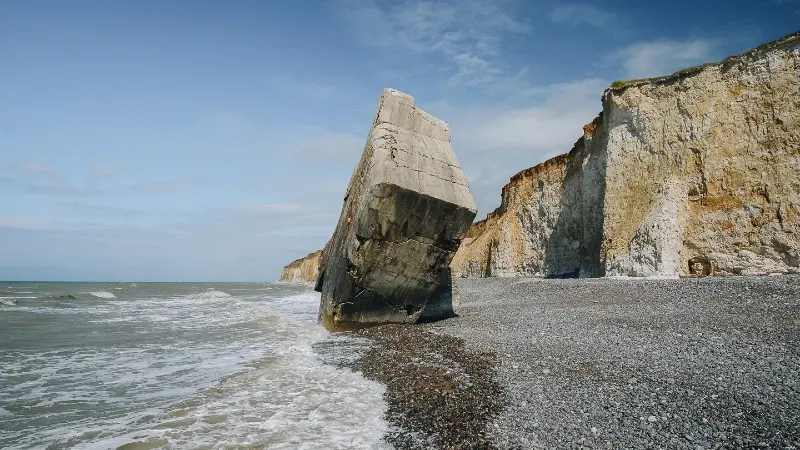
<point>181,366</point>
<point>210,294</point>
<point>102,294</point>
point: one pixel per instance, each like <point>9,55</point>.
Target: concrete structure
<point>405,211</point>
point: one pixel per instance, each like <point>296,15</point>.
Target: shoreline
<point>597,363</point>
<point>440,394</point>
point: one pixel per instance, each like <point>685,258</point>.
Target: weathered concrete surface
<point>693,173</point>
<point>302,270</point>
<point>405,211</point>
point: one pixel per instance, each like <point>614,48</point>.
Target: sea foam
<point>204,368</point>
<point>102,294</point>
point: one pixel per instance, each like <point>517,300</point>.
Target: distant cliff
<point>303,270</point>
<point>693,173</point>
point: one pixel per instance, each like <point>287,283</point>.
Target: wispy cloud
<point>582,13</point>
<point>494,143</point>
<point>656,58</point>
<point>467,34</point>
<point>104,210</point>
<point>39,168</point>
<point>272,208</point>
<point>330,147</point>
<point>25,224</point>
<point>161,186</point>
<point>101,172</point>
<point>55,191</point>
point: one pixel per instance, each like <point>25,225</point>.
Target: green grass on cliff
<point>619,83</point>
<point>622,83</point>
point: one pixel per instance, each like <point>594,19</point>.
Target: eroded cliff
<point>697,172</point>
<point>303,270</point>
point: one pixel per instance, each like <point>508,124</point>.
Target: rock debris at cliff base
<point>598,363</point>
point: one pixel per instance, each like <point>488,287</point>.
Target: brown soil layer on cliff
<point>440,394</point>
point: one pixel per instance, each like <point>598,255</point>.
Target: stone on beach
<point>406,209</point>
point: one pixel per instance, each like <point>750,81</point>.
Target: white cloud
<point>467,34</point>
<point>582,13</point>
<point>493,144</point>
<point>656,58</point>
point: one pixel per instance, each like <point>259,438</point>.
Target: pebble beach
<point>597,363</point>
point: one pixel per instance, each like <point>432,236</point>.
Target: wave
<point>59,297</point>
<point>7,302</point>
<point>75,296</point>
<point>210,294</point>
<point>101,294</point>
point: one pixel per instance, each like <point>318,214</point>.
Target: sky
<point>213,140</point>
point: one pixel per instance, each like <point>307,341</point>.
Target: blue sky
<point>195,140</point>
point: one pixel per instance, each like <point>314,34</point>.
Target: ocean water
<point>176,365</point>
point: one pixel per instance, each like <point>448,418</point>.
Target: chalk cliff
<point>405,211</point>
<point>693,173</point>
<point>303,270</point>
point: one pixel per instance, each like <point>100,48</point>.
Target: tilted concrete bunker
<point>406,209</point>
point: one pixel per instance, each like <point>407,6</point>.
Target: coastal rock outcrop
<point>303,270</point>
<point>405,211</point>
<point>690,174</point>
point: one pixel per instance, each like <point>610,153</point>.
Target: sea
<point>177,365</point>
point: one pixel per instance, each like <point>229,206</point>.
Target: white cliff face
<point>656,248</point>
<point>703,165</point>
<point>718,150</point>
<point>539,228</point>
<point>303,270</point>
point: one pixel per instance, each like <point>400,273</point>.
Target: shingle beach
<point>598,363</point>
